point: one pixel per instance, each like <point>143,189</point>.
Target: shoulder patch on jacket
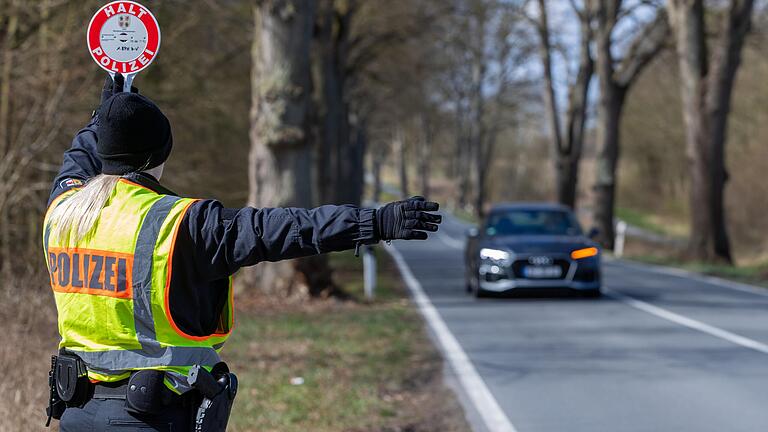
<point>70,183</point>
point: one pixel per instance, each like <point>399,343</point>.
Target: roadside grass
<point>638,219</point>
<point>756,274</point>
<point>340,366</point>
<point>652,222</point>
<point>465,216</point>
<point>753,271</point>
<point>386,197</point>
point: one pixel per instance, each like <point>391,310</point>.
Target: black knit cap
<point>133,134</point>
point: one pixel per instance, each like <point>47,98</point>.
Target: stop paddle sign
<point>123,37</point>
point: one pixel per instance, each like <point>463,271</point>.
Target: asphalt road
<point>661,352</point>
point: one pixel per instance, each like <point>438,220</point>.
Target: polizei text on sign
<point>123,37</point>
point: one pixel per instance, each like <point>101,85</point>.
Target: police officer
<point>142,276</point>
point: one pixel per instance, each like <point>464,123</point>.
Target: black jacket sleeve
<point>80,162</point>
<point>224,240</point>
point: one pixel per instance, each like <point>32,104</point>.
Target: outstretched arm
<point>225,240</point>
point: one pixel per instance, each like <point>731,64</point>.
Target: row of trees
<point>707,84</point>
<point>473,72</point>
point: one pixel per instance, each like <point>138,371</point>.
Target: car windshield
<point>532,222</point>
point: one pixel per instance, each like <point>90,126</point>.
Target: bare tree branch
<point>642,50</point>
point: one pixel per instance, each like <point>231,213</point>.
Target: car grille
<point>517,268</point>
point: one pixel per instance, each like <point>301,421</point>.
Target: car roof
<point>502,207</point>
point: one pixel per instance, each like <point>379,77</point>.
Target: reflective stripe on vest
<point>135,234</point>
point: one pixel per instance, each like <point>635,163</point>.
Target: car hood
<point>538,243</point>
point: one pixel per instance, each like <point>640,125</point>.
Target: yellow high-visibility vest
<point>112,290</point>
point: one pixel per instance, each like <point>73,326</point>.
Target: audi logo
<point>540,260</point>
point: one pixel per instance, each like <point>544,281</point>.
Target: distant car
<point>530,246</point>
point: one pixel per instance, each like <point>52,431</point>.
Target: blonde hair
<point>76,216</point>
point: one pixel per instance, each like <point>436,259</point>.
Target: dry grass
<point>28,340</point>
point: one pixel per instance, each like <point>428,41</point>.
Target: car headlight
<point>495,255</point>
<point>584,253</point>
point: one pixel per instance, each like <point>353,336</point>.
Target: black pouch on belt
<point>56,406</point>
<point>219,388</point>
<point>147,393</point>
<point>71,377</point>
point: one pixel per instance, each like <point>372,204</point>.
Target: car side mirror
<point>473,232</point>
<point>593,233</point>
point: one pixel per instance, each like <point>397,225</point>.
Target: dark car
<point>530,246</point>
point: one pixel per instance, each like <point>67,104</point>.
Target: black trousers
<point>107,415</point>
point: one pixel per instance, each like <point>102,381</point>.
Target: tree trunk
<point>458,144</point>
<point>465,182</point>
<point>425,155</point>
<point>608,133</point>
<point>340,151</point>
<point>280,160</point>
<point>479,170</point>
<point>575,118</point>
<point>567,178</point>
<point>688,25</point>
<point>463,166</point>
<point>567,149</point>
<point>479,134</point>
<point>335,132</point>
<point>608,116</point>
<point>329,106</point>
<point>351,192</point>
<point>550,101</point>
<point>706,94</point>
<point>484,163</point>
<point>402,163</point>
<point>615,81</point>
<point>377,160</point>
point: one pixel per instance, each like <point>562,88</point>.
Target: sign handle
<point>128,81</point>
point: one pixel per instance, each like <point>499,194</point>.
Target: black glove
<point>113,87</point>
<point>407,220</point>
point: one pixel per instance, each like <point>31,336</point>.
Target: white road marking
<point>689,322</point>
<point>486,405</point>
<point>685,274</point>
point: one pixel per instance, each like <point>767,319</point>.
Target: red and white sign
<point>123,37</point>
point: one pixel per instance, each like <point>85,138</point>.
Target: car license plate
<point>542,272</point>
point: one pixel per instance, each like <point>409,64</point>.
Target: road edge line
<point>470,380</point>
<point>691,323</point>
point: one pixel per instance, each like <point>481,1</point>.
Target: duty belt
<point>119,390</point>
<point>116,390</point>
